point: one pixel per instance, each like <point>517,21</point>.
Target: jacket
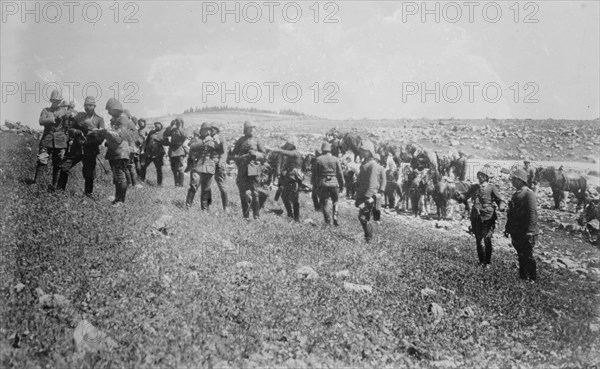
<point>522,213</point>
<point>371,180</point>
<point>176,142</point>
<point>222,150</point>
<point>117,140</point>
<point>55,134</point>
<point>328,172</point>
<point>484,199</point>
<point>203,155</point>
<point>244,159</point>
<point>154,144</point>
<point>85,132</point>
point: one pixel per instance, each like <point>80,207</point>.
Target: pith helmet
<point>56,95</point>
<point>521,174</point>
<point>249,124</point>
<point>487,171</point>
<point>114,104</point>
<point>205,126</point>
<point>369,147</point>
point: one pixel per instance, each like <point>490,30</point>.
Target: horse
<point>452,163</point>
<point>423,158</point>
<point>458,191</point>
<point>352,143</point>
<point>413,184</point>
<point>442,193</point>
<point>561,182</point>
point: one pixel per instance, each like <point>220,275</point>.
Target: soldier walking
<point>369,189</point>
<point>117,142</point>
<point>483,213</point>
<point>177,152</point>
<point>86,140</point>
<point>202,163</point>
<point>521,224</point>
<point>54,138</point>
<point>221,163</point>
<point>329,181</point>
<point>154,152</point>
<point>247,152</point>
<point>291,178</point>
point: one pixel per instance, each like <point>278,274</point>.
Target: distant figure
<point>483,213</point>
<point>521,224</point>
<point>154,152</point>
<point>369,189</point>
<point>202,162</point>
<point>176,136</point>
<point>86,140</point>
<point>117,154</point>
<point>329,181</point>
<point>291,178</point>
<point>247,153</point>
<point>221,163</point>
<point>54,138</point>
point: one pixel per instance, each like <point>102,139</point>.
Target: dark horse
<point>561,182</point>
<point>456,164</point>
<point>352,143</point>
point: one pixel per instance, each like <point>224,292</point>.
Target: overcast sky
<point>536,60</point>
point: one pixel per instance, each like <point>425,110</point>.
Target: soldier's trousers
<point>248,188</point>
<point>483,230</point>
<point>44,153</point>
<point>119,167</point>
<point>89,171</point>
<point>326,193</point>
<point>201,181</point>
<point>221,179</point>
<point>527,265</point>
<point>290,198</point>
<point>177,168</point>
<point>158,164</point>
<point>132,171</point>
<point>364,216</point>
<point>315,198</point>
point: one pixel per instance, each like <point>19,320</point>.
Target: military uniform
<point>314,180</point>
<point>370,184</point>
<point>117,154</point>
<point>154,152</point>
<point>392,188</point>
<point>54,139</point>
<point>290,180</point>
<point>203,160</point>
<point>86,140</point>
<point>522,226</point>
<point>221,166</point>
<point>249,169</point>
<point>176,151</point>
<point>483,216</point>
<point>329,180</point>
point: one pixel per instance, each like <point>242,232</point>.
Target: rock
<point>19,287</point>
<point>436,311</point>
<point>468,312</point>
<point>306,272</point>
<point>570,264</point>
<point>444,364</point>
<point>91,339</point>
<point>342,274</point>
<point>161,223</point>
<point>594,327</point>
<point>244,264</point>
<point>53,300</point>
<point>357,287</point>
<point>425,292</point>
<point>39,292</point>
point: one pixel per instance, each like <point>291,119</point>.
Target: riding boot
<point>63,177</point>
<point>480,252</point>
<point>335,215</point>
<point>522,267</point>
<point>255,208</point>
<point>488,250</point>
<point>89,186</point>
<point>55,174</point>
<point>368,228</point>
<point>224,199</point>
<point>296,211</point>
<point>190,198</point>
<point>123,191</point>
<point>159,176</point>
<point>39,172</point>
<point>288,208</point>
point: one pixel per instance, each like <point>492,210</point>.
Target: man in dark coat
<point>55,120</point>
<point>329,180</point>
<point>176,135</point>
<point>221,163</point>
<point>291,178</point>
<point>531,182</point>
<point>86,140</point>
<point>202,163</point>
<point>370,187</point>
<point>154,152</point>
<point>117,142</point>
<point>483,213</point>
<point>521,224</point>
<point>247,153</point>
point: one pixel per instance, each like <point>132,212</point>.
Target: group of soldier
<point>70,137</point>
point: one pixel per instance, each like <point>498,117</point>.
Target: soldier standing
<point>329,181</point>
<point>85,148</point>
<point>221,163</point>
<point>177,152</point>
<point>483,213</point>
<point>369,189</point>
<point>154,152</point>
<point>521,224</point>
<point>291,178</point>
<point>202,161</point>
<point>117,141</point>
<point>531,182</point>
<point>142,134</point>
<point>54,138</point>
<point>314,182</point>
<point>247,151</point>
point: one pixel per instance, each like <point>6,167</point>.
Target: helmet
<point>521,174</point>
<point>248,124</point>
<point>214,126</point>
<point>90,100</point>
<point>369,147</point>
<point>205,125</point>
<point>114,104</point>
<point>487,171</point>
<point>56,95</point>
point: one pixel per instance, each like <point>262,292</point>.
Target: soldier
<point>483,214</point>
<point>521,224</point>
<point>246,153</point>
<point>461,166</point>
<point>350,175</point>
<point>291,178</point>
<point>117,141</point>
<point>369,189</point>
<point>531,182</point>
<point>154,152</point>
<point>53,143</point>
<point>142,134</point>
<point>133,151</point>
<point>314,182</point>
<point>221,165</point>
<point>85,147</point>
<point>202,162</point>
<point>392,188</point>
<point>177,152</point>
<point>329,181</point>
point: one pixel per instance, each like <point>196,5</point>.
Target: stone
<point>19,287</point>
<point>425,292</point>
<point>568,263</point>
<point>357,287</point>
<point>306,272</point>
<point>342,274</point>
<point>53,300</point>
<point>91,339</point>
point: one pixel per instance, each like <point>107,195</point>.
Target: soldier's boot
<point>189,201</point>
<point>89,187</point>
<point>368,228</point>
<point>335,215</point>
<point>55,174</point>
<point>288,209</point>
<point>255,209</point>
<point>326,215</point>
<point>133,176</point>
<point>159,176</point>
<point>488,250</point>
<point>39,172</point>
<point>123,191</point>
<point>297,212</point>
<point>224,199</point>
<point>62,180</point>
<point>532,269</point>
<point>522,267</point>
<point>205,200</point>
<point>480,252</point>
